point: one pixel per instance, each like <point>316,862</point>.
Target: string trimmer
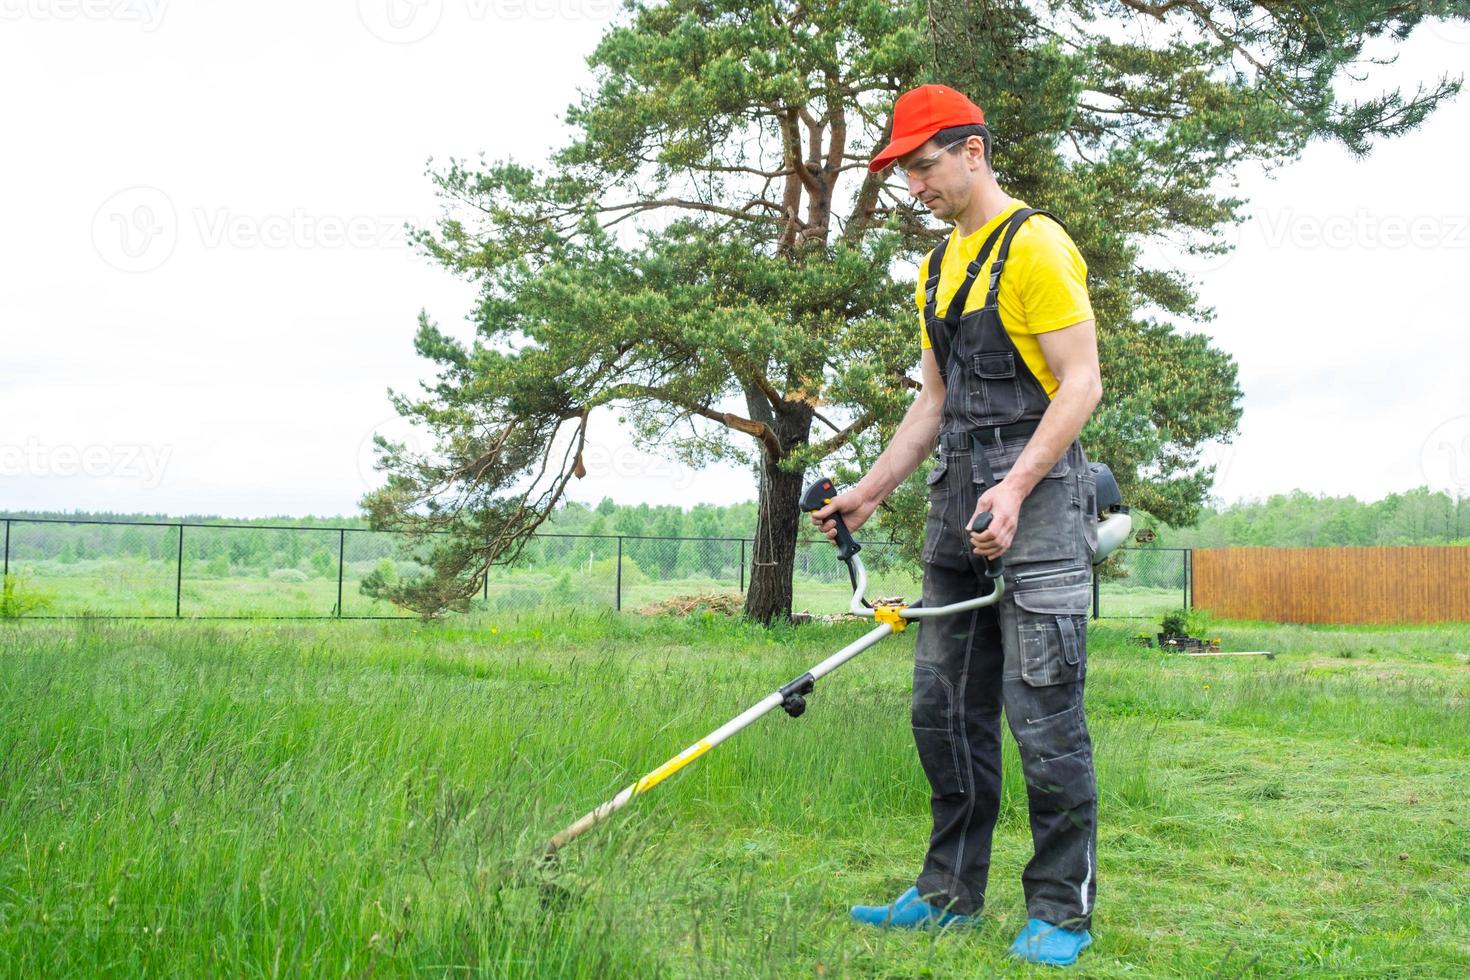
<point>891,618</point>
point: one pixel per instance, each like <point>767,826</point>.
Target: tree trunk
<point>769,595</point>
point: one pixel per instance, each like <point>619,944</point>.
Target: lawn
<point>369,799</point>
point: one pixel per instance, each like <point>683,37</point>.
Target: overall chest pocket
<point>995,390</point>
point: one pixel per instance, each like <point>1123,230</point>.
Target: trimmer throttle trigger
<point>993,566</point>
<point>819,495</point>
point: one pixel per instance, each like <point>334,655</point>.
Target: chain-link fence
<point>1142,583</point>
<point>59,568</point>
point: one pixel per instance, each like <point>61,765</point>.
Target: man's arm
<point>913,441</point>
<point>1071,353</point>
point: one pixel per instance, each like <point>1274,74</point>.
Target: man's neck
<point>987,202</point>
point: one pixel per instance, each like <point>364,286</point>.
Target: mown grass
<point>370,799</point>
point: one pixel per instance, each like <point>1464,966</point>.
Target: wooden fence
<point>1334,585</point>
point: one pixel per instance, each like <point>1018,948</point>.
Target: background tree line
<point>1297,519</point>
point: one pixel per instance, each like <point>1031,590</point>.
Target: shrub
<point>19,597</point>
<point>1175,623</point>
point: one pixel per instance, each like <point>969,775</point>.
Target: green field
<point>139,587</point>
<point>368,799</point>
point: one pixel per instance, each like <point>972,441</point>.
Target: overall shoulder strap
<point>931,284</point>
<point>956,308</point>
<point>1018,219</point>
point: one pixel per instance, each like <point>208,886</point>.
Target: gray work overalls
<point>1028,653</point>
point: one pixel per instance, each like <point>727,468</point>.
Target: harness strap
<point>956,308</point>
<point>1005,250</point>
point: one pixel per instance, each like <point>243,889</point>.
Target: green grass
<point>368,799</point>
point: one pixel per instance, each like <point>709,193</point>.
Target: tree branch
<point>758,430</point>
<point>832,444</point>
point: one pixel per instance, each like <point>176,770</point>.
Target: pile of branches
<point>727,603</point>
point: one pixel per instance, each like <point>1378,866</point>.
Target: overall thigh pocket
<point>1051,623</point>
<point>1049,526</point>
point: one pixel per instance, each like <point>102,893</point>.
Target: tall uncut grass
<point>371,799</point>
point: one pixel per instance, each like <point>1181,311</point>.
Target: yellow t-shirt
<point>1043,287</point>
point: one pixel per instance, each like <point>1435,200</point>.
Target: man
<point>1010,366</point>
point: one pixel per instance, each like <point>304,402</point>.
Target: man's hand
<point>855,508</point>
<point>1004,503</point>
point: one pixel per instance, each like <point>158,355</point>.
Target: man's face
<point>939,175</point>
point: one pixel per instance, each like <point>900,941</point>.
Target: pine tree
<point>709,259</point>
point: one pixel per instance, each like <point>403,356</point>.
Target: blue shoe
<point>1042,942</point>
<point>909,912</point>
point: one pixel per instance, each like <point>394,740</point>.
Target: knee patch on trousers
<point>1057,755</point>
<point>934,731</point>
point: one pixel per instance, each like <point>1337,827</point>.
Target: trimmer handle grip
<point>993,566</point>
<point>819,495</point>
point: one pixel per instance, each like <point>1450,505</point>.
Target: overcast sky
<point>205,293</point>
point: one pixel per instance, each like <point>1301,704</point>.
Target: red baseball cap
<point>919,114</point>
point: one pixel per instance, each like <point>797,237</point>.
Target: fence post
<point>1096,594</point>
<point>341,557</point>
<point>742,564</point>
<point>7,547</point>
<point>1189,578</point>
<point>619,592</point>
<point>179,578</point>
<point>485,592</point>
